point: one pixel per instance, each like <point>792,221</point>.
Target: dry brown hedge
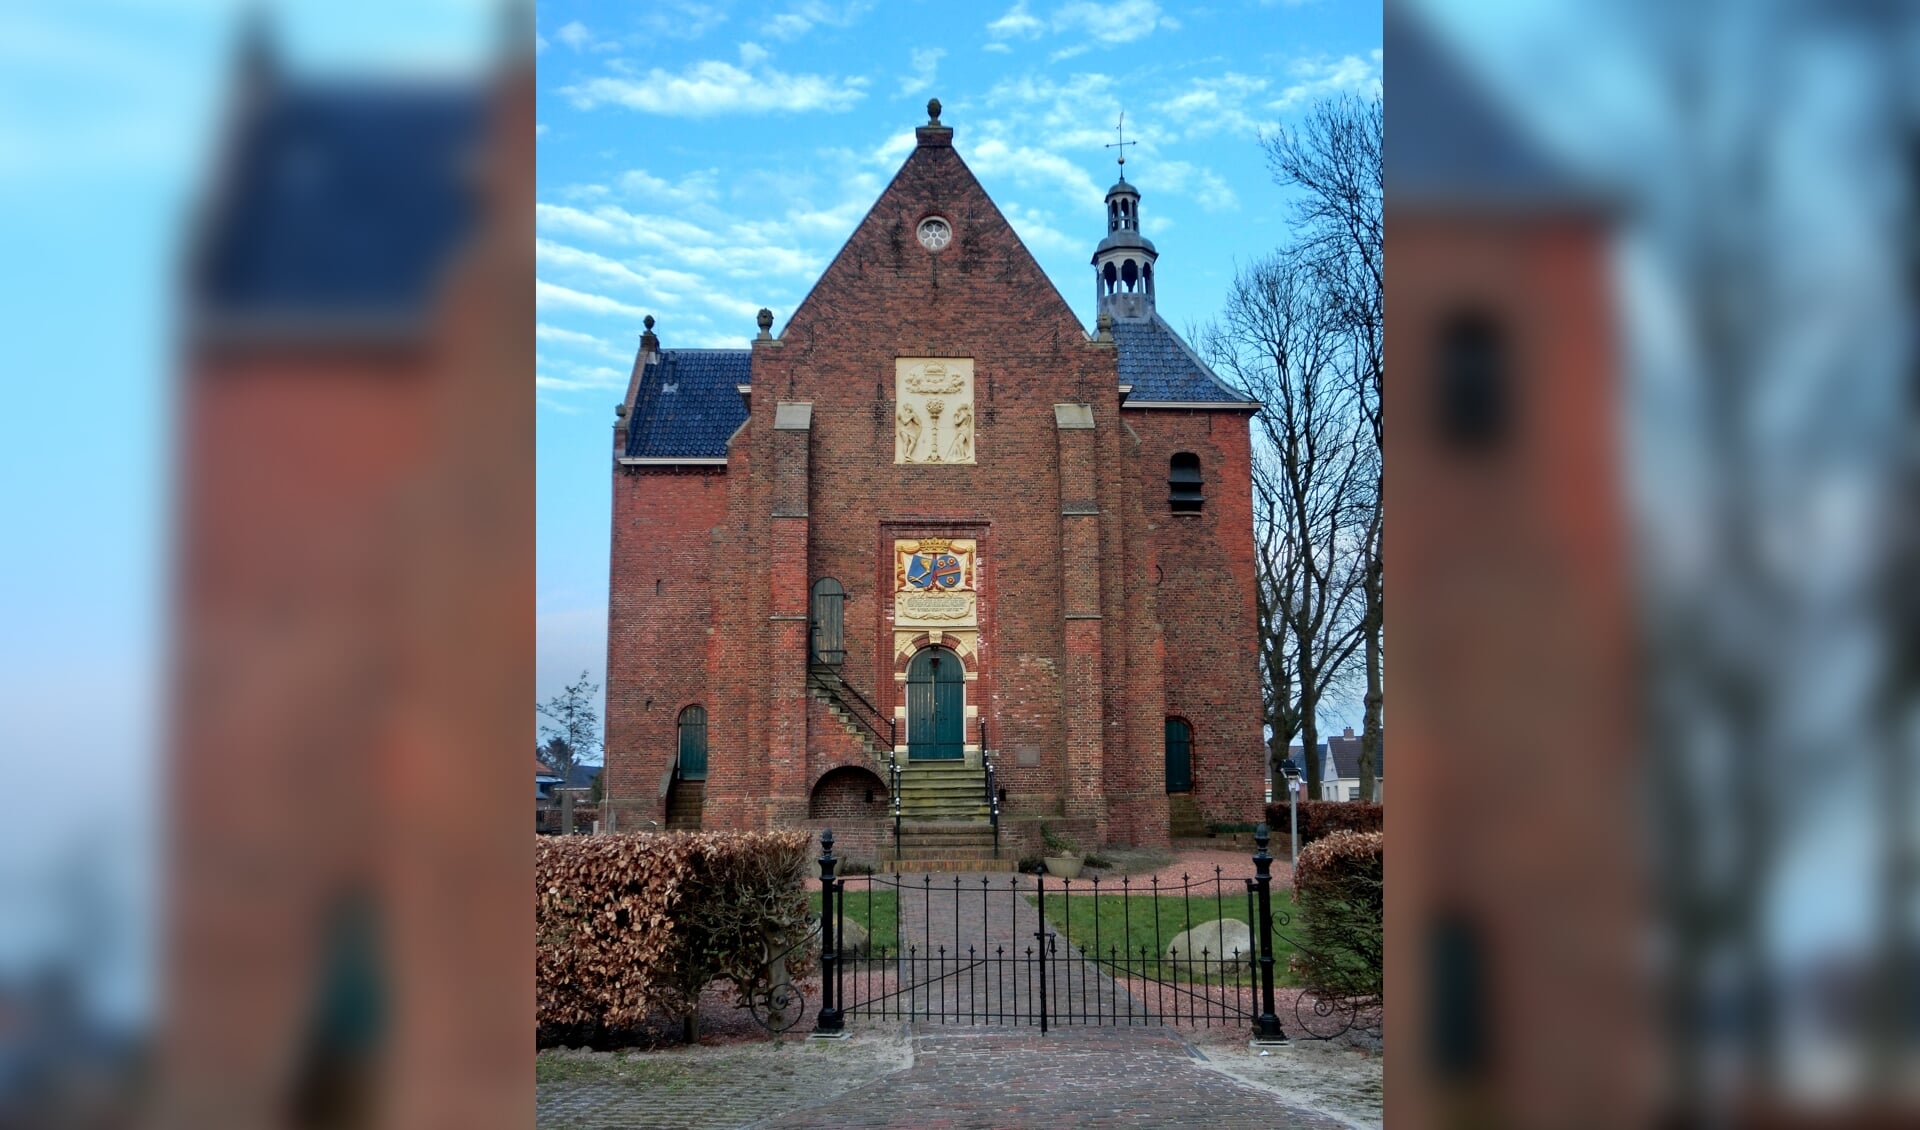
<point>1339,886</point>
<point>1320,818</point>
<point>635,925</point>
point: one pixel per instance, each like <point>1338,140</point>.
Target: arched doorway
<point>936,706</point>
<point>691,761</point>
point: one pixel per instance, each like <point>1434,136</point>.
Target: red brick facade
<point>1100,612</point>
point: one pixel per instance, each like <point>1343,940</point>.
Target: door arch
<point>936,706</point>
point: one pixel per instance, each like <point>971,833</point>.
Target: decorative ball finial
<point>765,318</point>
<point>647,321</point>
<point>933,111</point>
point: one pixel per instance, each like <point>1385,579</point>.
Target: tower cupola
<point>1123,263</point>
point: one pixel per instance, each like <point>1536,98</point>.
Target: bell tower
<point>1123,263</point>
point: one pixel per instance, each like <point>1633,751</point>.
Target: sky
<point>701,160</point>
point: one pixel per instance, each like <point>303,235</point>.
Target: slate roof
<point>1160,366</point>
<point>1451,141</point>
<point>342,200</point>
<point>688,404</point>
<point>1346,757</point>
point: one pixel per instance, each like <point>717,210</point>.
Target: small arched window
<point>691,761</point>
<point>1472,393</point>
<point>1146,275</point>
<point>1183,483</point>
<point>1130,273</point>
<point>1110,275</point>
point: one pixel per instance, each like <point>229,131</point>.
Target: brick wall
<point>658,613</point>
<point>1067,602</point>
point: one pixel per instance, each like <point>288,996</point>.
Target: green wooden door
<point>1179,756</point>
<point>936,706</point>
<point>692,763</point>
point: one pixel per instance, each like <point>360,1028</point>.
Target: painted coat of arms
<point>934,581</point>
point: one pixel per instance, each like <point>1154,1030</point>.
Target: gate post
<point>1266,1029</point>
<point>1040,937</point>
<point>829,1022</point>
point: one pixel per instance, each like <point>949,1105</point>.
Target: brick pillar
<point>1084,667</point>
<point>787,617</point>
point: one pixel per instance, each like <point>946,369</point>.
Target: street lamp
<point>1291,773</point>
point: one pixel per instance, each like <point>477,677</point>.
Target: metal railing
<point>993,790</point>
<point>893,787</point>
<point>865,714</point>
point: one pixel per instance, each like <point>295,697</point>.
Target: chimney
<point>1349,732</point>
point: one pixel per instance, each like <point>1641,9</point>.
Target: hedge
<point>1340,889</point>
<point>633,925</point>
<point>1319,818</point>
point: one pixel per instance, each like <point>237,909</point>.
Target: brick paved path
<point>1079,1077</point>
<point>937,1078</point>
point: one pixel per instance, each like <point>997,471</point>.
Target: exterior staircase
<point>945,821</point>
<point>684,802</point>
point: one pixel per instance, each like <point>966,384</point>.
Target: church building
<point>936,554</point>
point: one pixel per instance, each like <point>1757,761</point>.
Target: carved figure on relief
<point>934,420</point>
<point>907,438</point>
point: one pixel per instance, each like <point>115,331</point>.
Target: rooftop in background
<point>338,203</point>
<point>1451,144</point>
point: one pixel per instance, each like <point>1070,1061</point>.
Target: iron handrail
<point>893,788</point>
<point>993,795</point>
<point>867,715</point>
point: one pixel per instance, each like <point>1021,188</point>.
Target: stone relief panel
<point>934,583</point>
<point>933,410</point>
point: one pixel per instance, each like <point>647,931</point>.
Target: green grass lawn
<point>877,910</point>
<point>1131,922</point>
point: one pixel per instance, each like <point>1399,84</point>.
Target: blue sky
<point>701,160</point>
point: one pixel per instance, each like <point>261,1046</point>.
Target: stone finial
<point>765,318</point>
<point>1105,322</point>
<point>933,111</point>
<point>647,321</point>
<point>648,342</point>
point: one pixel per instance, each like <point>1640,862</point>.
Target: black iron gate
<point>1022,950</point>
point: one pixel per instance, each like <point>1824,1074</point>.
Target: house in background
<point>544,779</point>
<point>1340,767</point>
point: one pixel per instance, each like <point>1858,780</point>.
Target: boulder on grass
<point>852,939</point>
<point>1213,942</point>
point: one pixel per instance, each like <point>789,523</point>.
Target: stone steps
<point>1183,817</point>
<point>684,803</point>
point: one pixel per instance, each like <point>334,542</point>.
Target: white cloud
<point>1321,77</point>
<point>692,188</point>
<point>1106,24</point>
<point>997,48</point>
<point>925,66</point>
<point>752,54</point>
<point>539,129</point>
<point>573,338</point>
<point>1180,178</point>
<point>802,17</point>
<point>574,35</point>
<point>1035,229</point>
<point>539,44</point>
<point>1110,23</point>
<point>1017,22</point>
<point>1209,105</point>
<point>1030,167</point>
<point>548,296</point>
<point>712,87</point>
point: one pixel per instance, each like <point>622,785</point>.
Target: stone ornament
<point>933,410</point>
<point>935,233</point>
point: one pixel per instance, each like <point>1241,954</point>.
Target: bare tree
<point>1333,157</point>
<point>1315,469</point>
<point>572,728</point>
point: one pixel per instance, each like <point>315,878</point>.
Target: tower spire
<point>1123,263</point>
<point>1120,142</point>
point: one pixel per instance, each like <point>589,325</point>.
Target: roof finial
<point>933,111</point>
<point>647,321</point>
<point>1119,131</point>
<point>765,321</point>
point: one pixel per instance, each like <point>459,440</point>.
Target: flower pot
<point>1063,866</point>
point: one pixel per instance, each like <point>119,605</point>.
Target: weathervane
<point>1119,131</point>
